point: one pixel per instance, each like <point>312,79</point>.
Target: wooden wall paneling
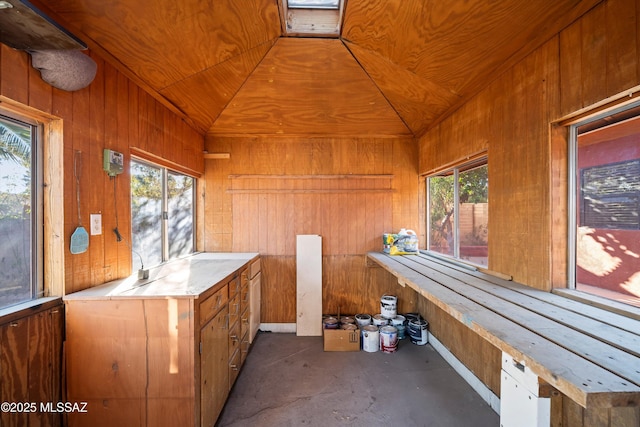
<point>571,69</point>
<point>15,74</point>
<point>143,119</point>
<point>40,92</point>
<point>405,171</point>
<point>78,265</point>
<point>594,56</point>
<point>122,205</point>
<point>111,126</point>
<point>625,417</point>
<point>622,45</point>
<point>158,136</point>
<point>93,176</point>
<point>278,304</point>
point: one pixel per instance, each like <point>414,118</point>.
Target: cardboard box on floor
<point>341,339</point>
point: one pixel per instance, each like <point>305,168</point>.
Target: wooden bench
<point>589,354</point>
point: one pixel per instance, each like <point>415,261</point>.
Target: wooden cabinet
<point>31,363</point>
<point>214,375</point>
<point>254,298</point>
<point>163,352</point>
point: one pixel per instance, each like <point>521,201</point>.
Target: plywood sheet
<point>309,285</point>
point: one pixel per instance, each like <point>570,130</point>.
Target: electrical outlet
<point>96,224</point>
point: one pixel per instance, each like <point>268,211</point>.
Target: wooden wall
<point>112,112</point>
<point>512,119</point>
<point>349,191</point>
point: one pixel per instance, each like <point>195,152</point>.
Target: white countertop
<point>183,278</point>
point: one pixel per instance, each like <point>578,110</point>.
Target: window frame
<point>164,229</point>
<point>573,181</point>
<point>38,288</point>
<point>454,171</point>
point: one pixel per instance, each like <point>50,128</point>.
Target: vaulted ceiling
<point>396,68</point>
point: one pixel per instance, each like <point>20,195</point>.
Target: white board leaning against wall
<point>308,285</point>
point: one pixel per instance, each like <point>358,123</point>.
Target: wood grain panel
<point>217,32</point>
<point>214,87</point>
<point>309,87</point>
<point>599,55</point>
<point>31,365</point>
<point>417,100</point>
<point>350,191</point>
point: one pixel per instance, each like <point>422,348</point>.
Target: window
<point>313,4</point>
<point>458,212</point>
<point>20,212</point>
<point>315,18</point>
<point>162,214</point>
<point>604,204</point>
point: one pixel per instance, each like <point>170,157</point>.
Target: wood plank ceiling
<point>397,68</point>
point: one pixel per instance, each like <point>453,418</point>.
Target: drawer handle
<point>234,337</point>
<point>518,366</point>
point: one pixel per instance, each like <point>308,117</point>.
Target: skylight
<point>311,18</point>
<point>313,4</point>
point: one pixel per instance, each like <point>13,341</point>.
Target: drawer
<point>234,339</point>
<point>234,310</point>
<point>254,268</point>
<point>234,367</point>
<point>244,322</point>
<point>244,298</point>
<point>244,348</point>
<point>211,305</point>
<point>234,287</point>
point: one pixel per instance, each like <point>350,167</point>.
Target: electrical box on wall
<point>113,162</point>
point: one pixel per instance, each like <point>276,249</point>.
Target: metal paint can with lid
<point>363,320</point>
<point>418,331</point>
<point>388,339</point>
<point>370,339</point>
<point>388,306</point>
<point>378,320</point>
<point>399,322</point>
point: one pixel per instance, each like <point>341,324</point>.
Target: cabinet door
<point>214,367</point>
<point>254,309</point>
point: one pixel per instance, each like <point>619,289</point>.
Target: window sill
<point>28,308</point>
<point>600,302</point>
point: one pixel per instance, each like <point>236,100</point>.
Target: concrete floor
<point>290,381</point>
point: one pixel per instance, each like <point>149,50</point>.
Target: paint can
<point>363,320</point>
<point>349,326</point>
<point>388,339</point>
<point>388,306</point>
<point>399,322</point>
<point>418,331</point>
<point>378,320</point>
<point>330,322</point>
<point>347,320</point>
<point>370,339</point>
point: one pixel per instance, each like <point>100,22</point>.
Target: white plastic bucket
<point>388,306</point>
<point>370,339</point>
